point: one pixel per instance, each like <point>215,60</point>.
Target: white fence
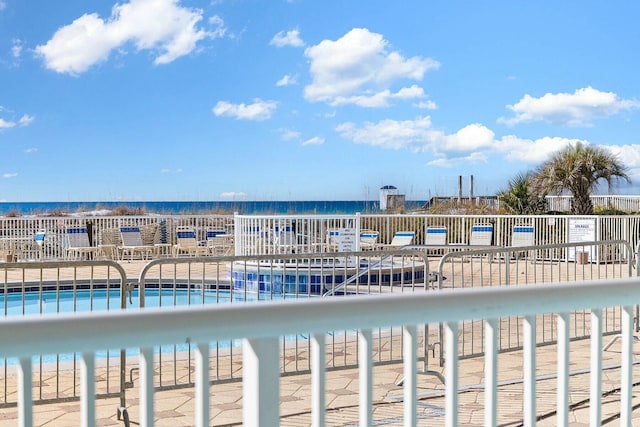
<point>258,235</point>
<point>623,203</point>
<point>24,337</point>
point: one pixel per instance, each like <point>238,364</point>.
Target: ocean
<point>326,207</point>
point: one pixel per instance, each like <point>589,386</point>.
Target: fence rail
<point>197,282</point>
<point>202,325</point>
<point>259,235</point>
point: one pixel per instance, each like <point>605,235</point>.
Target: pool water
<point>68,301</point>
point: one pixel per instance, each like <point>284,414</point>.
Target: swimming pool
<point>84,300</point>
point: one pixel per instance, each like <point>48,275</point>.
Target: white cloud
<point>259,110</point>
<point>316,140</point>
<point>533,151</point>
<point>417,135</point>
<point>287,80</point>
<point>16,48</point>
<point>473,143</point>
<point>629,155</point>
<point>4,124</point>
<point>290,38</point>
<point>447,162</point>
<point>358,68</point>
<point>576,109</point>
<point>289,134</point>
<point>470,137</point>
<point>233,195</point>
<point>393,134</point>
<point>426,105</point>
<point>160,26</point>
<point>30,150</point>
<point>170,171</point>
<point>380,99</point>
<point>9,175</point>
<point>25,120</point>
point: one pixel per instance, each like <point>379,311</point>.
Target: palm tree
<point>578,169</point>
<point>518,197</point>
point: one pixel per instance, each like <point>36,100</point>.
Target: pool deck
<point>176,407</point>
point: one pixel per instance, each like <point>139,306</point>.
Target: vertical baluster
<point>318,380</point>
<point>260,382</point>
<point>25,393</point>
<point>146,387</point>
<point>451,373</point>
<point>596,368</point>
<point>529,365</point>
<point>563,370</point>
<point>202,384</point>
<point>365,362</point>
<point>410,375</point>
<point>87,390</point>
<point>490,372</point>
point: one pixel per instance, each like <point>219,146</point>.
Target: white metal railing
<point>25,336</point>
<point>620,202</point>
<point>257,235</point>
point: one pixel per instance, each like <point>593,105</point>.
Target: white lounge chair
<point>285,239</point>
<point>333,237</point>
<point>402,238</point>
<point>369,240</point>
<point>77,244</point>
<point>436,236</point>
<point>523,235</point>
<point>132,244</point>
<point>187,242</point>
<point>481,235</point>
<point>219,242</point>
<point>39,240</point>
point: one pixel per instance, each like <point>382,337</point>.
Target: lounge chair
<point>401,238</point>
<point>369,240</point>
<point>481,235</point>
<point>39,239</point>
<point>132,244</point>
<point>187,242</point>
<point>219,242</point>
<point>522,235</point>
<point>284,239</point>
<point>77,244</point>
<point>436,236</point>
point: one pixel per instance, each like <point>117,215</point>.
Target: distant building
<point>391,199</point>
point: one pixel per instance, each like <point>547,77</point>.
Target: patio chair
<point>77,245</point>
<point>523,235</point>
<point>333,237</point>
<point>285,240</point>
<point>481,235</point>
<point>219,242</point>
<point>39,239</point>
<point>401,238</point>
<point>187,242</point>
<point>369,240</point>
<point>132,244</point>
<point>437,238</point>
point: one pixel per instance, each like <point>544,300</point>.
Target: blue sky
<point>306,100</point>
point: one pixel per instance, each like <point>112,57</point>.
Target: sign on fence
<point>582,230</point>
